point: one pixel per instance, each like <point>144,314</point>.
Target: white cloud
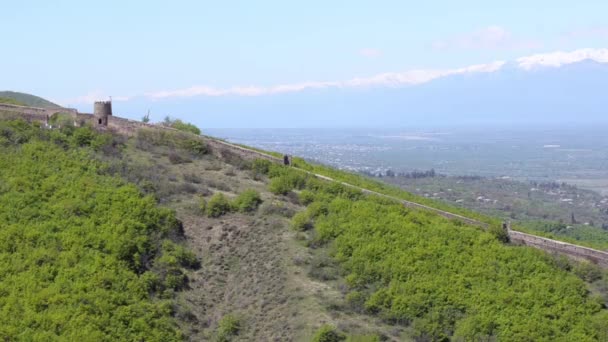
<point>559,58</point>
<point>489,38</point>
<point>370,53</point>
<point>411,77</point>
<point>389,79</point>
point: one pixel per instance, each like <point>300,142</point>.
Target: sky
<point>74,52</point>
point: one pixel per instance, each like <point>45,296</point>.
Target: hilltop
<point>162,235</point>
<point>23,99</point>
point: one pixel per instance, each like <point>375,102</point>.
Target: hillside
<point>13,97</point>
<point>159,237</point>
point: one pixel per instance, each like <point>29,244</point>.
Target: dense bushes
<point>246,202</point>
<point>218,205</point>
<point>83,256</point>
<point>444,279</point>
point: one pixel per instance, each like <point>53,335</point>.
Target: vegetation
<point>218,205</point>
<point>11,101</point>
<point>327,333</point>
<point>247,201</point>
<point>146,139</point>
<point>181,126</point>
<point>228,327</point>
<point>28,100</point>
<point>443,279</point>
<point>83,255</point>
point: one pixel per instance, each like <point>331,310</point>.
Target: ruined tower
<point>102,110</point>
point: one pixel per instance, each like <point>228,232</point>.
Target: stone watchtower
<point>102,110</point>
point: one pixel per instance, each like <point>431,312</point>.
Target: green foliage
<point>280,186</point>
<point>10,101</point>
<point>247,201</point>
<point>146,139</point>
<point>328,333</point>
<point>301,221</point>
<point>283,182</point>
<point>228,327</point>
<point>383,188</point>
<point>261,166</point>
<point>588,271</point>
<point>80,252</point>
<point>218,205</point>
<point>181,126</point>
<point>306,197</point>
<point>24,99</point>
<point>500,233</point>
<point>444,278</point>
<point>82,136</point>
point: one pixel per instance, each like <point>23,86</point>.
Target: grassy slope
<point>253,266</point>
<point>27,100</point>
<point>283,283</point>
<point>83,256</point>
<point>438,279</point>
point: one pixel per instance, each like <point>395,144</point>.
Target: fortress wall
<point>33,113</point>
<point>28,113</point>
<point>217,146</point>
<point>550,245</point>
<point>125,126</point>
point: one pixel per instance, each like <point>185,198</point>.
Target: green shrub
<point>501,234</point>
<point>218,205</point>
<point>228,327</point>
<point>327,333</point>
<point>587,271</point>
<point>306,197</point>
<point>280,186</point>
<point>82,136</point>
<point>196,146</point>
<point>81,250</point>
<point>261,166</point>
<point>181,126</point>
<point>301,221</point>
<point>247,201</point>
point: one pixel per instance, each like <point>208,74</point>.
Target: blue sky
<point>74,51</point>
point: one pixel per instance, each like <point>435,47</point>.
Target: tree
<point>146,118</point>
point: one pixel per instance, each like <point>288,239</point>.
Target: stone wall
<point>554,246</point>
<point>33,113</point>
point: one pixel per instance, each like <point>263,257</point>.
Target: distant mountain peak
<point>560,58</point>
